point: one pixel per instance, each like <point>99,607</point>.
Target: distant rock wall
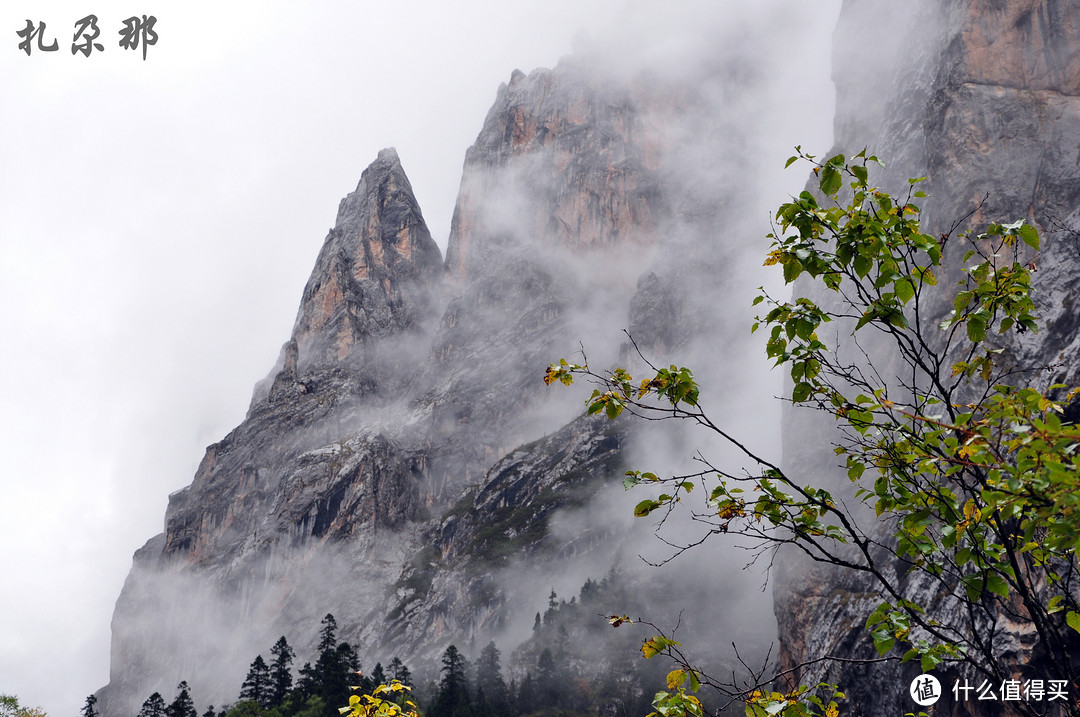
<point>982,98</point>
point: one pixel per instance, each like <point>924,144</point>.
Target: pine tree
<point>339,673</point>
<point>378,676</point>
<point>89,710</point>
<point>154,706</point>
<point>307,685</point>
<point>256,685</point>
<point>182,705</point>
<point>210,712</point>
<point>332,674</point>
<point>492,694</point>
<point>527,701</point>
<point>281,680</point>
<point>399,672</point>
<point>548,687</point>
<point>452,698</point>
<point>327,634</point>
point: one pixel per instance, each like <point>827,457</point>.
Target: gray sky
<point>159,218</point>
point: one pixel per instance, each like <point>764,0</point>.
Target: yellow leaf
<point>650,648</point>
<point>774,257</point>
<point>832,710</point>
<point>675,678</point>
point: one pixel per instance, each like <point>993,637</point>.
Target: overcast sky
<point>159,217</point>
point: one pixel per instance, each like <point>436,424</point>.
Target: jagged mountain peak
<point>374,274</point>
<point>576,156</point>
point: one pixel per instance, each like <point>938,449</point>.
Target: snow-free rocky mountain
<point>984,101</point>
<point>404,467</point>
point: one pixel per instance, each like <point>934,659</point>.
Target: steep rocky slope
<point>407,381</point>
<point>984,100</point>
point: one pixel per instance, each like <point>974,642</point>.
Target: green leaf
<point>904,288</point>
<point>801,392</point>
<point>883,642</point>
<point>792,269</point>
<point>831,180</point>
<point>1073,620</point>
<point>976,329</point>
<point>1030,236</point>
<point>997,585</point>
<point>645,507</point>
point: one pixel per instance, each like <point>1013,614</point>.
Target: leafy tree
<point>971,470</point>
<point>182,705</point>
<point>154,706</point>
<point>257,686</point>
<point>391,700</point>
<point>89,709</point>
<point>10,707</point>
<point>245,708</point>
<point>281,679</point>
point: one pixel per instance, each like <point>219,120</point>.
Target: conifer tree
<point>256,685</point>
<point>452,697</point>
<point>378,675</point>
<point>332,674</point>
<point>327,634</point>
<point>281,680</point>
<point>547,679</point>
<point>492,694</point>
<point>89,710</point>
<point>399,672</point>
<point>182,705</point>
<point>154,706</point>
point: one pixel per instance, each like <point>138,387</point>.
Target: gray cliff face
<point>302,493</point>
<point>453,588</point>
<point>584,156</point>
<point>563,179</point>
<point>406,382</point>
<point>984,100</point>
